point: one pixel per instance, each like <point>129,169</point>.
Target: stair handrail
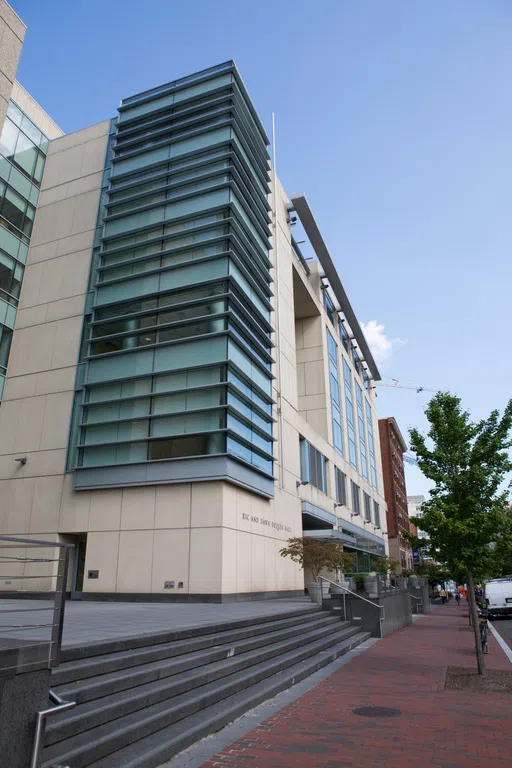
<point>345,589</point>
<point>62,706</point>
<point>420,602</point>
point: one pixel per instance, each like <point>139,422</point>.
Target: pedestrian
<point>457,597</point>
<point>442,595</point>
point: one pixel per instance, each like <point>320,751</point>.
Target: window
<point>329,307</point>
<point>376,514</point>
<point>362,435</point>
<point>337,435</point>
<point>371,445</point>
<point>355,358</point>
<point>356,501</point>
<point>312,466</point>
<point>366,380</point>
<point>344,335</point>
<point>341,486</point>
<point>352,453</point>
<point>367,507</point>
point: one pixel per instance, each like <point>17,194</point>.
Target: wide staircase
<point>142,700</point>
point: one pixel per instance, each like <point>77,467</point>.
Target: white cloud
<point>381,345</point>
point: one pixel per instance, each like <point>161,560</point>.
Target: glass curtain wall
<point>177,351</point>
<point>362,434</point>
<point>23,151</point>
<point>349,407</point>
<point>371,445</point>
<point>337,434</point>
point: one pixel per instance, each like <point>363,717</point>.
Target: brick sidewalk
<point>446,729</point>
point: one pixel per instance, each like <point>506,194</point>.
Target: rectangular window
<point>352,453</point>
<point>362,435</point>
<point>371,445</point>
<point>344,335</point>
<point>313,466</point>
<point>367,507</point>
<point>356,501</point>
<point>376,514</point>
<point>355,358</point>
<point>341,486</point>
<point>329,307</point>
<point>337,433</point>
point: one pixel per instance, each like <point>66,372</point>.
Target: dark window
<point>367,507</point>
<point>376,514</point>
<point>356,501</point>
<point>313,466</point>
<point>341,487</point>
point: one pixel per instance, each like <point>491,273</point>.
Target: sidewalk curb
<point>501,642</point>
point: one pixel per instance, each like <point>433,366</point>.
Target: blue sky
<point>395,119</point>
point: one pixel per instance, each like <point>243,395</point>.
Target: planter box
<point>318,591</point>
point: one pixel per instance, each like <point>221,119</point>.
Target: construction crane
<point>396,384</point>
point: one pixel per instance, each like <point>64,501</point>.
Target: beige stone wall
<point>36,113</point>
<point>12,34</point>
<point>35,412</point>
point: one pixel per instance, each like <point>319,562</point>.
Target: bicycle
<point>484,634</point>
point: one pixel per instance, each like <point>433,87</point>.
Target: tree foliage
<point>318,555</point>
<point>467,518</point>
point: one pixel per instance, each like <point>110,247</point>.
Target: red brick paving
<point>446,729</point>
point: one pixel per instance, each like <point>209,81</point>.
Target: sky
<point>394,118</point>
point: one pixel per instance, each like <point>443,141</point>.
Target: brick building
<point>393,447</point>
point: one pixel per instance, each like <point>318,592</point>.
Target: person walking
<point>457,597</point>
<point>442,595</point>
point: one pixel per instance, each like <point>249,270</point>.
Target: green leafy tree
<point>467,517</point>
<point>318,555</point>
<point>383,565</point>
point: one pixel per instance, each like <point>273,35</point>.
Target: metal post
<point>58,610</point>
<point>344,606</point>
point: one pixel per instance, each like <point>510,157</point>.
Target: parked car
<point>498,596</point>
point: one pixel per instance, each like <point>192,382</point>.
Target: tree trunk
<point>476,628</point>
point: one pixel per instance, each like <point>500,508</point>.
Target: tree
<point>318,555</point>
<point>383,564</point>
<point>466,517</point>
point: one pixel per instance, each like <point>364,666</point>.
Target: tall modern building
<point>25,131</point>
<point>393,447</point>
<point>185,389</point>
<point>414,510</point>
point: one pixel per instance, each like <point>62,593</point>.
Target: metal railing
<point>37,648</point>
<point>420,602</point>
<point>360,597</point>
<point>61,706</point>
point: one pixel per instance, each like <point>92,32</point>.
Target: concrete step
<point>94,746</point>
<point>138,674</point>
<point>85,651</point>
<point>84,668</point>
<point>153,750</point>
<point>110,707</point>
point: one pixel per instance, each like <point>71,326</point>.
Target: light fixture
<point>22,460</point>
<point>302,482</point>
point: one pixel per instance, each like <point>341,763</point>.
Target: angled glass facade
<point>177,351</point>
<point>23,151</point>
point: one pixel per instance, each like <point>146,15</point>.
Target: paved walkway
<point>86,622</point>
<point>406,671</point>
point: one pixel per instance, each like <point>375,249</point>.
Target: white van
<point>498,596</point>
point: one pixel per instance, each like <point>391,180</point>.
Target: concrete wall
<point>12,34</point>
